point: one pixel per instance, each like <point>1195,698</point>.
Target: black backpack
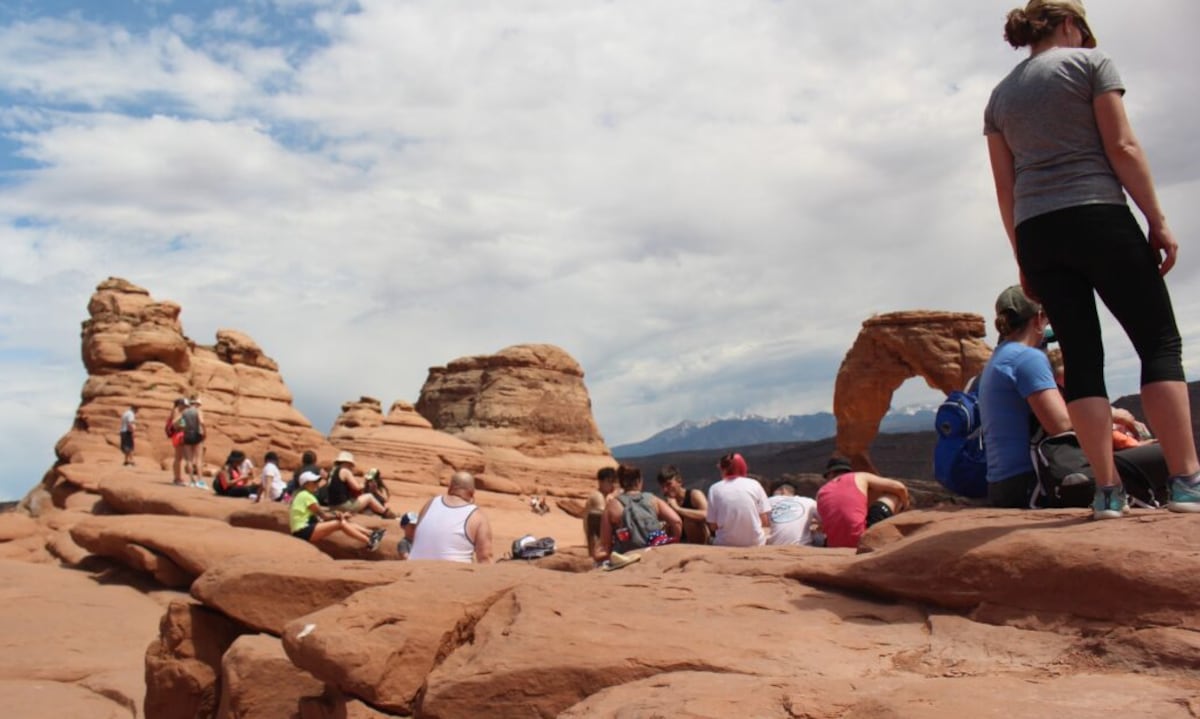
<point>1064,476</point>
<point>1144,473</point>
<point>529,547</point>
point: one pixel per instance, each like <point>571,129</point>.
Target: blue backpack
<point>959,460</point>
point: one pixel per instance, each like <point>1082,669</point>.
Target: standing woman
<point>1063,156</point>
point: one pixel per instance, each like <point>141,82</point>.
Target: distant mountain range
<point>753,429</point>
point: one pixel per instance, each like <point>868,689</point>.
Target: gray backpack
<point>640,519</point>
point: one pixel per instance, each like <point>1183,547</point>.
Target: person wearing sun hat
<point>1064,156</point>
<point>308,521</point>
<point>348,494</point>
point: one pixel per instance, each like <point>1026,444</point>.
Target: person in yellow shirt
<point>309,521</point>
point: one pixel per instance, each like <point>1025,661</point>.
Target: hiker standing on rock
<point>193,436</point>
<point>1063,157</point>
<point>174,429</point>
<point>128,425</point>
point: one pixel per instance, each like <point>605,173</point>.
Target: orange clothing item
<point>1122,440</point>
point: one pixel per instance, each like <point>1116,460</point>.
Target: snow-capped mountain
<point>721,433</point>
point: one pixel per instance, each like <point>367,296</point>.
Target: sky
<point>699,200</point>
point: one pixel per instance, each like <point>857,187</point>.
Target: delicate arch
<point>944,348</point>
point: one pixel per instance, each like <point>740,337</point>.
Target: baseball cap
<point>838,465</point>
<point>408,518</point>
<point>1014,300</point>
<point>306,477</point>
<point>1036,7</point>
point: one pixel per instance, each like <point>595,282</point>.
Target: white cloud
<point>700,201</point>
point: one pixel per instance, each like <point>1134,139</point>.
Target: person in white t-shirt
<point>273,485</point>
<point>738,510</point>
<point>791,516</point>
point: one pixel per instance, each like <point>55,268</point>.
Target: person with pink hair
<point>738,509</point>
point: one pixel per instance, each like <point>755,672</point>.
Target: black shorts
<point>127,442</point>
<point>877,512</point>
<point>1013,492</point>
<point>306,531</point>
<point>192,437</point>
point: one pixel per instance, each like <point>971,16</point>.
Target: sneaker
<point>1185,494</point>
<point>1109,503</point>
<point>376,538</point>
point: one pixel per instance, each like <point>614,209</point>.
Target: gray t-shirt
<point>1044,110</point>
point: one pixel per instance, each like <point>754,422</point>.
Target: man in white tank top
<point>452,527</point>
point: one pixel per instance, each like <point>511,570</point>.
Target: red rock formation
<point>529,410</point>
<point>136,353</point>
<point>259,682</point>
<point>176,550</point>
<point>944,348</point>
<point>403,445</point>
<point>183,665</point>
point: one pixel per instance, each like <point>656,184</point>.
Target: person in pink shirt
<point>852,501</point>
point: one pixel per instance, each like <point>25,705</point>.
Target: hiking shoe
<point>376,538</point>
<point>1185,494</point>
<point>1109,502</point>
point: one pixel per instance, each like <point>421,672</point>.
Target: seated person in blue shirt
<point>1017,386</point>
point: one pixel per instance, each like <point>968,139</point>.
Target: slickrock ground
<point>943,613</point>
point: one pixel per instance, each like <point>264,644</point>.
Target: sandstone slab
<point>266,595</point>
<point>176,550</point>
<point>1056,562</point>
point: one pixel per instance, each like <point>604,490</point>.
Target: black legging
<point>1067,254</point>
